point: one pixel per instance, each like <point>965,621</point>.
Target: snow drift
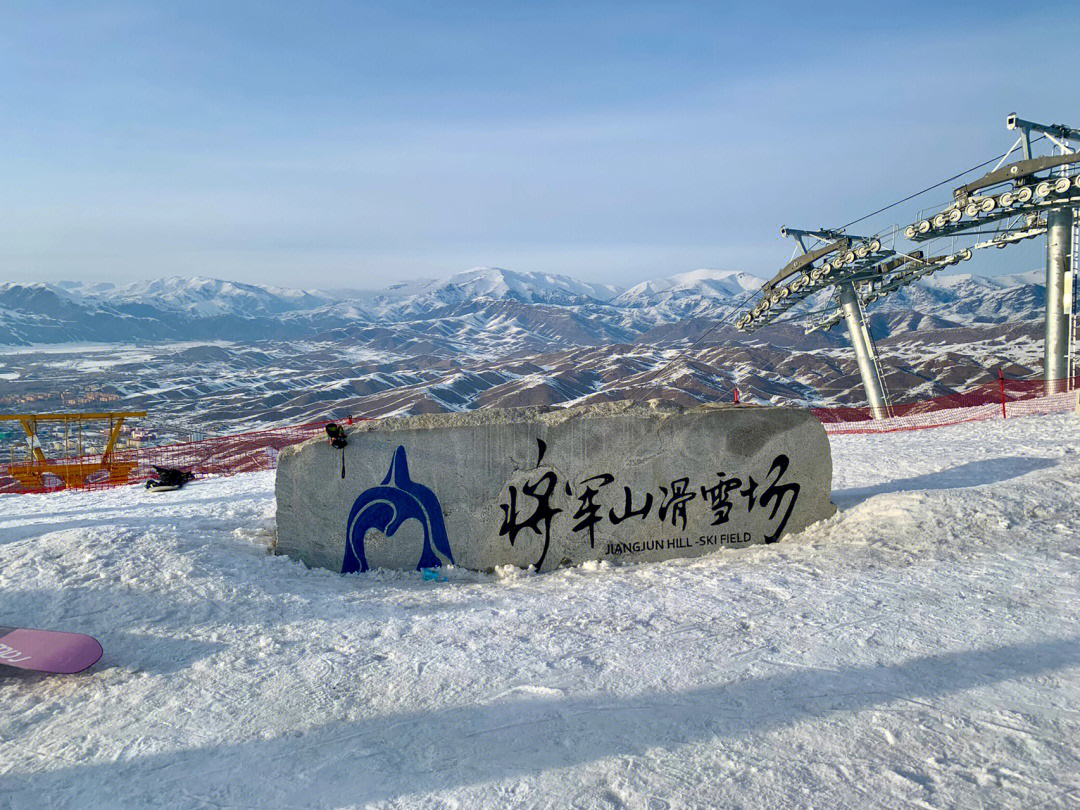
<point>920,648</point>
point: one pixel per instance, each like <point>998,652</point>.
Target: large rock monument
<point>553,487</point>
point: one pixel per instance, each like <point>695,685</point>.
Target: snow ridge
<point>488,298</point>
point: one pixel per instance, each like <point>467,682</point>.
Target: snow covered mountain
<point>707,285</point>
<point>483,338</point>
<point>500,284</point>
<point>198,296</point>
<point>967,298</point>
<point>482,310</point>
<point>698,294</point>
<point>173,309</point>
<point>476,287</point>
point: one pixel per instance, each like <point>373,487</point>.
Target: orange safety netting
<point>258,450</point>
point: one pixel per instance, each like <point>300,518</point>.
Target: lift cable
<point>931,188</point>
<point>750,293</point>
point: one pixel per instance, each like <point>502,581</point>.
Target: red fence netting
<point>220,455</point>
<point>258,450</point>
<point>999,399</point>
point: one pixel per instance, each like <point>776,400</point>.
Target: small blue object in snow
<point>431,575</point>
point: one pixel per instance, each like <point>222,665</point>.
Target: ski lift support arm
<point>1016,171</point>
<point>1013,121</point>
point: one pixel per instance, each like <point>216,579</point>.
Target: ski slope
<point>919,649</point>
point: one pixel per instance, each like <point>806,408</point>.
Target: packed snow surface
<point>919,649</point>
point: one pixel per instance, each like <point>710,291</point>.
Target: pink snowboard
<point>47,650</point>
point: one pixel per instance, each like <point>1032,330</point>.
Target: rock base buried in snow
<point>553,487</point>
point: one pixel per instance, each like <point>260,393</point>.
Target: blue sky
<point>354,144</point>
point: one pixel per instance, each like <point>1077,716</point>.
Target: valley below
<point>206,357</point>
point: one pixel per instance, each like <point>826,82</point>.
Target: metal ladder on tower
<point>876,358</point>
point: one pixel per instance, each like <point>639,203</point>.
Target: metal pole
<point>1001,383</point>
<point>1025,139</point>
<point>1056,334</point>
<point>864,353</point>
<point>1070,296</point>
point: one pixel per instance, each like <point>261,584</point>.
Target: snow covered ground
<point>920,649</point>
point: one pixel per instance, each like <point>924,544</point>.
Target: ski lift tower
<point>848,272</point>
<point>1022,200</point>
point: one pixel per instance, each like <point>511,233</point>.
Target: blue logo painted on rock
<point>387,507</point>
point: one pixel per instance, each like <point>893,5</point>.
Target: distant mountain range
<point>484,311</point>
<point>205,354</point>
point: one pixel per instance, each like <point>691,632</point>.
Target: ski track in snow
<point>919,649</point>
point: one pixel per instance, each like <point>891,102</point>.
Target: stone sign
<point>553,487</point>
